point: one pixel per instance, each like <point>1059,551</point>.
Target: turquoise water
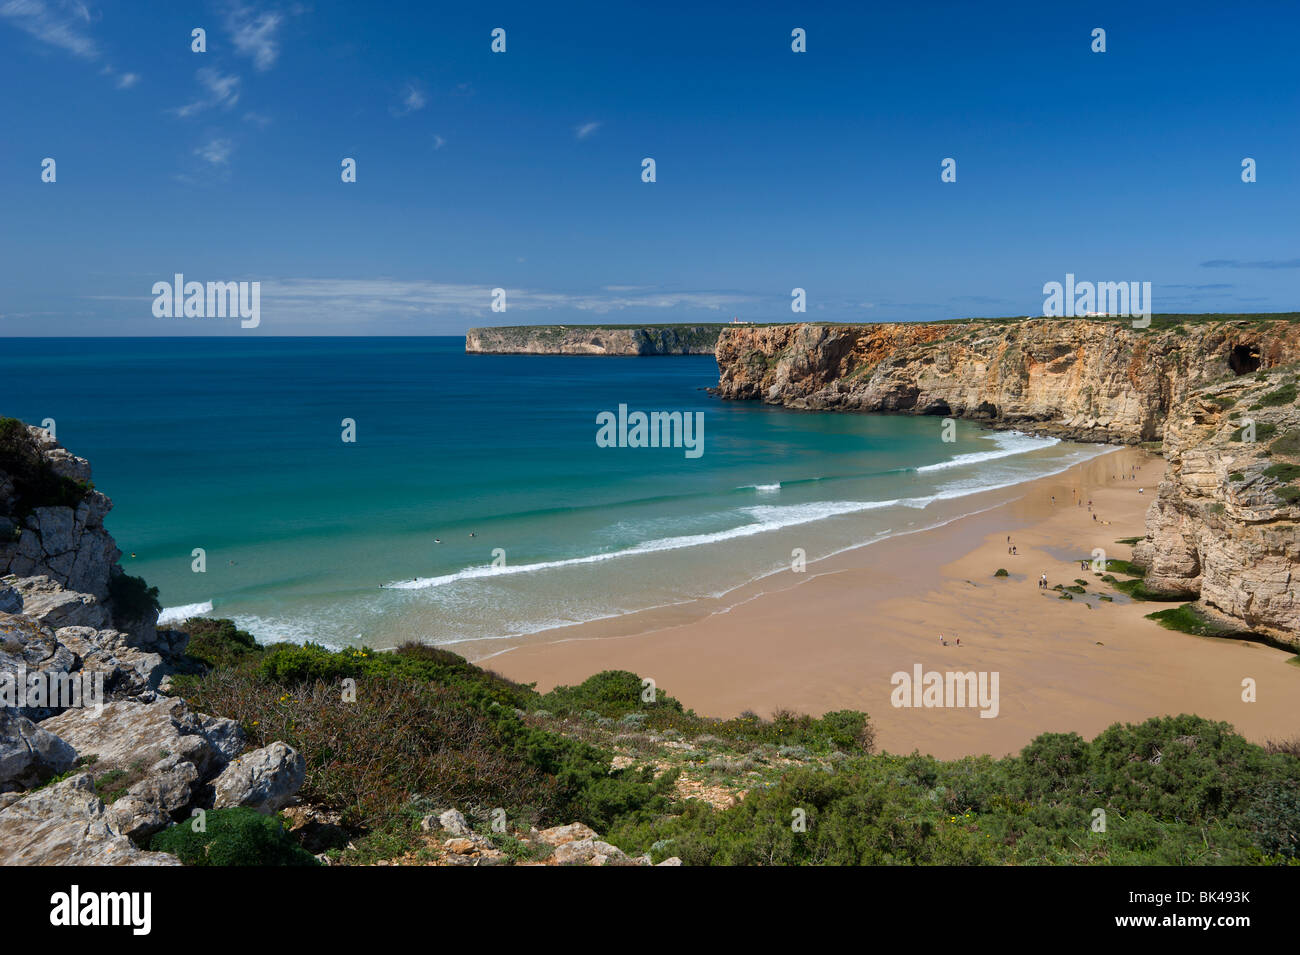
<point>234,446</point>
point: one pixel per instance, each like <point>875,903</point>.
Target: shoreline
<point>832,638</point>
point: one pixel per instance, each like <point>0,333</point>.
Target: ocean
<point>475,503</point>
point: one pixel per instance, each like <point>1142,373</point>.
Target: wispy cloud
<point>1258,264</point>
<point>359,300</point>
<point>216,151</point>
<point>254,35</point>
<point>413,99</point>
<point>438,142</point>
<point>59,25</point>
<point>222,90</point>
<point>127,80</point>
<point>585,130</point>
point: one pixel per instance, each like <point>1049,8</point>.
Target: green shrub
<point>233,837</point>
<point>1284,395</point>
<point>132,599</point>
<point>1236,476</point>
<point>35,482</point>
<point>1282,471</point>
<point>1001,572</point>
<point>217,643</point>
<point>1289,443</point>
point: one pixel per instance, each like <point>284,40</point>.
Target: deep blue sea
<point>475,502</point>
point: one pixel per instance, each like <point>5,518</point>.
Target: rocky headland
<point>95,756</point>
<point>593,340</point>
<point>1224,528</point>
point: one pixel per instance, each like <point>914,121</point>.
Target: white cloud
<point>57,27</point>
<point>216,151</point>
<point>253,34</point>
<point>413,99</point>
<point>330,300</point>
<point>438,142</point>
<point>222,90</point>
<point>127,80</point>
<point>585,130</point>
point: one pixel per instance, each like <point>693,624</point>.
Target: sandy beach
<point>833,636</point>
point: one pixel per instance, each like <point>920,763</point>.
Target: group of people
<point>944,643</point>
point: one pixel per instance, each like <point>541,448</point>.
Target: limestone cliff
<point>593,340</point>
<point>1225,524</point>
<point>1087,380</point>
<point>1223,527</point>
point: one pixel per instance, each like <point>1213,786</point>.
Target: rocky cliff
<point>1223,528</point>
<point>95,756</point>
<point>1087,380</point>
<point>593,340</point>
<point>1225,524</point>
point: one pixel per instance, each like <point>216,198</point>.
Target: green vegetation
<point>428,730</point>
<point>1001,572</point>
<point>1289,493</point>
<point>232,837</point>
<point>1282,471</point>
<point>132,598</point>
<point>1187,619</point>
<point>1285,395</point>
<point>1125,566</point>
<point>35,483</point>
<point>1289,443</point>
<point>1175,791</point>
<point>1236,476</point>
<point>1129,540</point>
<point>1263,431</point>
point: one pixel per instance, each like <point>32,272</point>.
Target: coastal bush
<point>35,482</point>
<point>1282,471</point>
<point>1176,791</point>
<point>132,598</point>
<point>1284,395</point>
<point>1289,443</point>
<point>1001,572</point>
<point>217,643</point>
<point>1263,430</point>
<point>1290,493</point>
<point>233,837</point>
<point>1236,476</point>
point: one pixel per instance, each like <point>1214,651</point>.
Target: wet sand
<point>832,637</point>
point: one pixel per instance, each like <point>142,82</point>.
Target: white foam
<point>1009,443</point>
<point>760,488</point>
<point>767,518</point>
<point>184,612</point>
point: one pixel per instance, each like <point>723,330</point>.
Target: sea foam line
<point>184,612</point>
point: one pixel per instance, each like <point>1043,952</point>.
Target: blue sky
<point>522,170</point>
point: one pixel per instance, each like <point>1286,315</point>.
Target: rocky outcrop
<point>1085,380</point>
<point>51,517</point>
<point>92,690</point>
<point>1223,526</point>
<point>593,340</point>
<point>29,754</point>
<point>265,779</point>
<point>67,824</point>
